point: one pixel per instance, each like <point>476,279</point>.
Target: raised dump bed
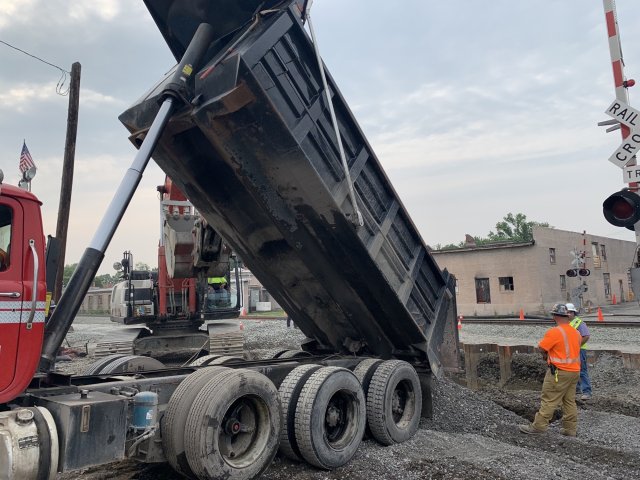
<point>257,155</point>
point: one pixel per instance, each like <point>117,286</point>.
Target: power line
<point>64,73</point>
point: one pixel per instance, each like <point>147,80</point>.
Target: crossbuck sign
<point>626,152</point>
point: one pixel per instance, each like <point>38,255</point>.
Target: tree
<point>142,266</point>
<point>68,272</point>
<point>515,228</point>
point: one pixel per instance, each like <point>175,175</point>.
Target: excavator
<point>194,286</point>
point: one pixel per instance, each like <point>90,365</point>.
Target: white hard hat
<point>572,308</point>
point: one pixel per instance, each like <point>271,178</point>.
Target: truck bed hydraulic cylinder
<point>72,298</point>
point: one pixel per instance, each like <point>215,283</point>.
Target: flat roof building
<point>503,278</point>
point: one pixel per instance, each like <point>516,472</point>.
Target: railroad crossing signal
<point>575,272</point>
<point>578,264</point>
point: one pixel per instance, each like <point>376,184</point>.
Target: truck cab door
<point>22,291</point>
<point>11,287</point>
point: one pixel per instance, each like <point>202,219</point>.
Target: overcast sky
<point>475,109</point>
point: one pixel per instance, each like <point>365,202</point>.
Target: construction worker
<point>561,349</point>
<point>584,384</point>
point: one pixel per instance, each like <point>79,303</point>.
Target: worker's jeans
<point>584,384</point>
<point>562,392</point>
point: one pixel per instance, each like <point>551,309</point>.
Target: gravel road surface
<point>473,434</point>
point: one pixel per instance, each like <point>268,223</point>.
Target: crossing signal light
<point>582,272</point>
<point>622,209</point>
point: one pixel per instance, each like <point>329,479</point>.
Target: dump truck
<point>244,125</point>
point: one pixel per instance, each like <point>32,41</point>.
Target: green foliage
<point>515,228</point>
<point>512,228</point>
<point>68,272</point>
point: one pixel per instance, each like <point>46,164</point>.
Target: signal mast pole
<point>622,95</point>
<point>621,83</point>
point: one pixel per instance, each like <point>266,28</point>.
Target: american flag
<point>26,162</point>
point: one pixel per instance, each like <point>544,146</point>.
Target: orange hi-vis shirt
<point>562,343</point>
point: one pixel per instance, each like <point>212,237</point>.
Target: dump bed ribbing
<point>257,155</point>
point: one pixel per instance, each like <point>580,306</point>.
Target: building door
<point>622,299</point>
<point>607,284</point>
<point>483,294</point>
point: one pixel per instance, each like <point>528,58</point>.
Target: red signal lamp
<point>622,209</point>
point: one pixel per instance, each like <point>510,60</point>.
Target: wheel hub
<point>333,416</point>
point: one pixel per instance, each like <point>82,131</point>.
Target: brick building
<point>502,278</point>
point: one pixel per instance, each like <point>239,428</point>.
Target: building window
<point>506,284</point>
<point>483,294</point>
<point>607,284</point>
<point>563,282</point>
<point>552,256</point>
<point>595,255</point>
<point>603,253</point>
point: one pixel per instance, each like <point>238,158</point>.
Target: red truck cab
<point>22,289</point>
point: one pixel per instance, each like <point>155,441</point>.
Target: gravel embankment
<point>471,435</point>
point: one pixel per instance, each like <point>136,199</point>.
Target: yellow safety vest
<point>575,323</point>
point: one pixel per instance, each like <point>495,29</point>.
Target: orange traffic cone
<point>521,314</point>
<point>460,317</point>
<point>614,299</point>
<point>241,326</point>
<point>243,312</point>
<point>600,316</point>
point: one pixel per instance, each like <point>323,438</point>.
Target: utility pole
<point>67,174</point>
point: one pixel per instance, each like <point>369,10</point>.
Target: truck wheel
<point>364,372</point>
<point>99,364</point>
<point>175,416</point>
<point>203,360</point>
<point>330,417</point>
<point>394,402</point>
<point>289,392</point>
<point>233,426</point>
<point>294,354</point>
<point>277,353</point>
<point>132,363</point>
<point>225,360</point>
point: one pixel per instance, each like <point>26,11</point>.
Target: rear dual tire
<point>325,415</point>
<point>233,426</point>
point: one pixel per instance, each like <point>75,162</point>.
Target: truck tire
<point>233,427</point>
<point>394,402</point>
<point>199,362</point>
<point>225,360</point>
<point>294,354</point>
<point>330,417</point>
<point>132,363</point>
<point>99,364</point>
<point>277,353</point>
<point>175,416</point>
<point>289,392</point>
<point>364,372</point>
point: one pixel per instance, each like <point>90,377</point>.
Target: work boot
<point>530,430</point>
<point>585,396</point>
<point>567,433</point>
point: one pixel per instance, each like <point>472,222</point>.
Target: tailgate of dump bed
<point>257,155</point>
